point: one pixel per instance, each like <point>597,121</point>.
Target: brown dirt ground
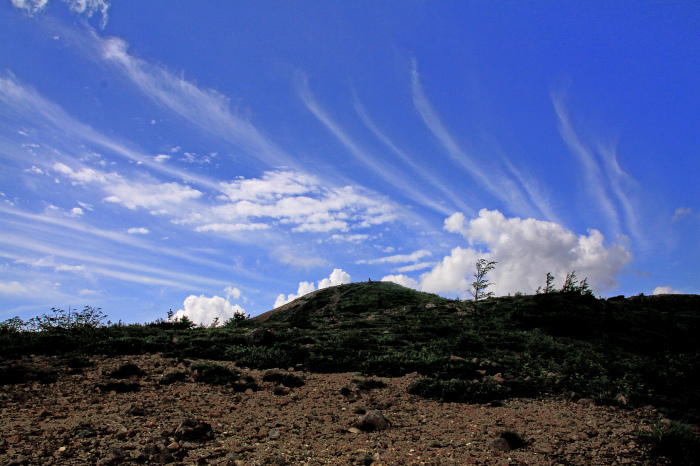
<point>40,424</point>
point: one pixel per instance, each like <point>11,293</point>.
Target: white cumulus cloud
<point>232,292</point>
<point>402,280</point>
<point>525,250</point>
<point>138,231</point>
<point>203,310</point>
<point>298,200</point>
<point>666,290</point>
<point>337,277</point>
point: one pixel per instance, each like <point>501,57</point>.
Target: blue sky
<point>218,157</point>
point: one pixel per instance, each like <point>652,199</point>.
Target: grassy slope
<point>644,348</point>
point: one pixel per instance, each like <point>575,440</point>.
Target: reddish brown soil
<point>73,422</point>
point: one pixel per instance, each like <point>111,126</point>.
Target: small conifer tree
<point>478,287</point>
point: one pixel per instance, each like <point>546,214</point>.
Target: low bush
<point>676,442</point>
<point>284,378</point>
<point>214,374</point>
<point>173,377</point>
<point>459,391</point>
<point>119,387</point>
<point>126,371</point>
<point>249,383</point>
<point>369,384</point>
<point>258,357</point>
<point>14,374</point>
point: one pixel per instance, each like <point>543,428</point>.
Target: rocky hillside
<point>623,356</point>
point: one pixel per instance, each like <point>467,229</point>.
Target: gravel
<point>73,422</point>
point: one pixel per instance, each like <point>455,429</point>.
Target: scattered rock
<point>274,434</point>
<point>164,457</point>
<point>136,410</point>
<point>191,429</point>
<point>498,444</point>
<point>117,454</point>
<point>586,402</point>
<point>151,449</point>
<point>20,461</point>
<point>84,431</point>
<point>621,399</point>
<point>373,421</point>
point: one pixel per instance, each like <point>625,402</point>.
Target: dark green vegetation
<point>627,351</point>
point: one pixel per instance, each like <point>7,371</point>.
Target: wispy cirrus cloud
<point>100,264</point>
<point>494,180</point>
<point>437,183</point>
<point>606,182</point>
<point>594,178</point>
<point>32,225</point>
<point>62,138</point>
<point>391,174</point>
<point>85,8</point>
<point>207,109</point>
<point>398,258</point>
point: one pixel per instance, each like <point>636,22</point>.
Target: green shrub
<point>676,442</point>
<point>79,363</point>
<point>173,377</point>
<point>214,374</point>
<point>284,378</point>
<point>119,387</point>
<point>458,391</point>
<point>249,383</point>
<point>15,374</point>
<point>258,357</point>
<point>368,384</point>
<point>125,371</point>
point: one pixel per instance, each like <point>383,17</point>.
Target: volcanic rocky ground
<point>89,415</point>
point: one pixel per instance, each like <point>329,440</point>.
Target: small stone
<point>372,421</point>
<point>164,457</point>
<point>354,430</point>
<point>586,402</point>
<point>544,448</point>
<point>173,446</point>
<point>136,411</point>
<point>116,452</point>
<point>20,461</point>
<point>274,434</point>
<point>151,449</point>
<point>191,429</point>
<point>498,444</point>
